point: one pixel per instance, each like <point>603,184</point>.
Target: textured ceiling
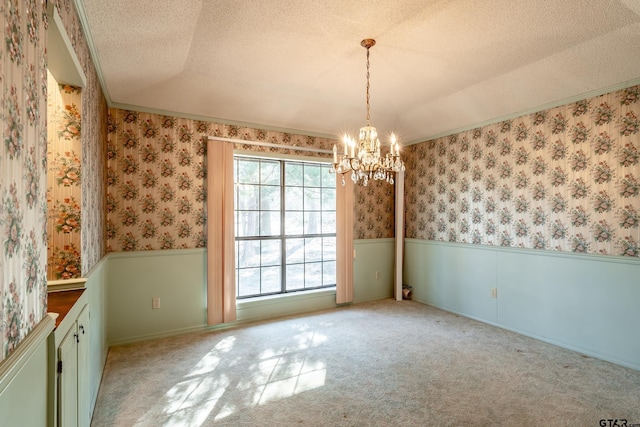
<point>438,66</point>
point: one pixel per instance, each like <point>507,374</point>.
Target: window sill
<point>289,297</point>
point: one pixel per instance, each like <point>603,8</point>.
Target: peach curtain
<point>344,240</point>
<point>221,289</point>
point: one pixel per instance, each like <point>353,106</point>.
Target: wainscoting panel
<point>452,277</point>
<point>587,303</point>
<point>373,255</point>
<point>178,278</point>
<point>24,380</point>
<point>96,289</point>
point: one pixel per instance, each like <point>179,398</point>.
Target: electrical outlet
<point>377,274</point>
<point>155,303</point>
<point>494,292</point>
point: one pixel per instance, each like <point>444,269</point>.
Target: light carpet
<point>383,363</point>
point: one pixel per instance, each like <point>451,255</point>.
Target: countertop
<point>61,302</point>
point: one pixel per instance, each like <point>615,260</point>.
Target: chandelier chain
<point>368,105</point>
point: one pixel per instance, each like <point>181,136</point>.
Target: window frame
<point>282,235</point>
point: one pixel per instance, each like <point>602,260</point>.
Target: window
<point>285,226</point>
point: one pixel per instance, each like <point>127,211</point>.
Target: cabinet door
<point>83,369</point>
<point>68,380</point>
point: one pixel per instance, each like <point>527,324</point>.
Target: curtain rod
<point>269,144</point>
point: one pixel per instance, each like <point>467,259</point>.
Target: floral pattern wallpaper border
<point>156,174</point>
<point>564,179</point>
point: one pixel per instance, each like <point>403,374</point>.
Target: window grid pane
<point>269,172</point>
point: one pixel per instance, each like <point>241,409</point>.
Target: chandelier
<point>362,157</point>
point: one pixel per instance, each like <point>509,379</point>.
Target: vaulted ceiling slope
<point>438,66</point>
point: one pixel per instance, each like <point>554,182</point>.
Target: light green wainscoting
<point>178,278</point>
<point>24,379</point>
<point>96,290</point>
<point>587,303</point>
<point>373,255</point>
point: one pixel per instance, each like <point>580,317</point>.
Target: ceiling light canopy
<point>362,157</point>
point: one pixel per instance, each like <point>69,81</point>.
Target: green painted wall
<point>178,278</point>
<point>24,379</point>
<point>587,303</point>
<point>99,347</point>
<point>373,255</point>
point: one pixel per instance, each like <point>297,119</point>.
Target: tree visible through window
<point>285,226</point>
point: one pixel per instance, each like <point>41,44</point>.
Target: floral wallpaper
<point>64,178</point>
<point>565,179</point>
<point>24,164</point>
<point>156,173</point>
<point>94,137</point>
<point>23,161</point>
<point>374,210</point>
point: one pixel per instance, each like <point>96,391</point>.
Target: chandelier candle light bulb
<point>362,158</point>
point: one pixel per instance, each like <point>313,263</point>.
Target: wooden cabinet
<point>73,373</point>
